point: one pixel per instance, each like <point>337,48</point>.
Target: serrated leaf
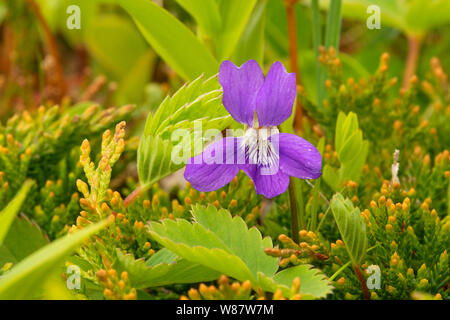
<point>351,226</point>
<point>219,242</point>
<point>197,105</point>
<point>169,271</point>
<point>313,283</point>
<point>198,245</point>
<point>8,214</point>
<point>247,244</point>
<point>154,159</point>
<point>199,99</point>
<point>26,278</point>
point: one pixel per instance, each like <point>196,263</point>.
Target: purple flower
<point>265,155</point>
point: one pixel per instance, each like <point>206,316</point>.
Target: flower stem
<point>295,209</point>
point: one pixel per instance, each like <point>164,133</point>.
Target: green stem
<point>339,271</point>
<point>317,39</point>
<point>294,210</point>
<point>323,218</point>
<point>332,34</point>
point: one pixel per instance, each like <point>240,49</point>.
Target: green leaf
<point>154,159</point>
<point>219,242</point>
<point>245,243</point>
<point>351,226</point>
<point>172,40</point>
<point>205,13</point>
<point>171,269</point>
<point>25,279</point>
<point>352,171</point>
<point>115,44</point>
<point>200,99</point>
<point>351,149</point>
<point>8,214</point>
<point>195,106</point>
<point>235,14</point>
<point>251,43</point>
<point>412,17</point>
<point>333,30</point>
<point>131,88</point>
<point>426,15</point>
<point>332,34</point>
<point>313,283</point>
<point>331,177</point>
<point>24,237</point>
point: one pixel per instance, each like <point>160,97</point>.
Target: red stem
<point>411,60</point>
<point>362,281</point>
<point>52,47</point>
<point>132,196</point>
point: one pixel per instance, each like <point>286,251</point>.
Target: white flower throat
<point>257,146</point>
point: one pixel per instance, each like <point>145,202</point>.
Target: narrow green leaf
<point>333,30</point>
<point>24,237</point>
<point>332,33</point>
<point>205,13</point>
<point>26,278</point>
<point>131,89</point>
<point>8,214</point>
<point>235,14</point>
<point>172,40</point>
<point>115,44</point>
<point>251,43</point>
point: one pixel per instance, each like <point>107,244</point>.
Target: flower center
<point>257,146</point>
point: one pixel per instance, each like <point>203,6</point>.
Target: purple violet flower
<point>268,157</point>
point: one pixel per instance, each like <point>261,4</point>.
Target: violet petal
<point>276,97</point>
<point>240,88</point>
<point>215,167</point>
<point>298,157</point>
<point>268,185</point>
